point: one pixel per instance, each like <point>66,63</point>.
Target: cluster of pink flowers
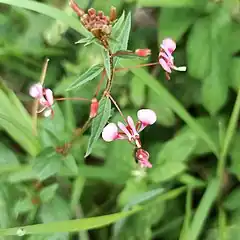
<point>130,132</point>
<point>45,98</point>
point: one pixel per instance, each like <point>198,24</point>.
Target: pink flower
<point>165,57</point>
<point>142,156</point>
<point>130,131</point>
<point>45,98</point>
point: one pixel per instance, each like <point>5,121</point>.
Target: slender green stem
<point>231,130</point>
<point>188,214</point>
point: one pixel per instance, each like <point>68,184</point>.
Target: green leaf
<point>69,162</point>
<point>69,226</point>
<point>20,129</point>
<point>118,26</point>
<point>191,181</point>
<point>49,11</point>
<point>232,200</point>
<point>47,163</point>
<point>203,209</point>
<point>199,49</point>
<point>107,64</point>
<point>166,171</point>
<point>49,211</point>
<point>7,157</point>
<point>89,75</point>
<point>165,114</point>
<point>23,206</point>
<point>123,37</point>
<point>178,149</point>
<point>215,85</point>
<point>99,122</point>
<point>137,93</point>
<point>175,22</point>
<point>235,73</point>
<point>48,193</point>
<point>131,190</point>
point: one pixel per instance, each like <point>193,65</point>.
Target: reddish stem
<point>73,98</point>
<point>100,83</point>
<point>116,105</point>
<point>137,66</point>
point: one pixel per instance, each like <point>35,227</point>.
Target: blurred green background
<point>188,194</point>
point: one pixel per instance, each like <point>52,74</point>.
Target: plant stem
<point>231,130</point>
<point>109,81</point>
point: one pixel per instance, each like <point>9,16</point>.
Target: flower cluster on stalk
<point>100,26</point>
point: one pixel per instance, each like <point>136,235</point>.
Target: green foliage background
<point>192,191</point>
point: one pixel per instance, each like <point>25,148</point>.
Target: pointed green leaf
<point>123,37</point>
<point>99,122</point>
<point>118,26</point>
<point>89,75</point>
<point>106,61</point>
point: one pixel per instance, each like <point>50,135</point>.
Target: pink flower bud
<point>94,108</point>
<point>143,52</point>
<point>147,116</point>
<point>142,156</point>
<point>36,90</point>
<point>110,132</point>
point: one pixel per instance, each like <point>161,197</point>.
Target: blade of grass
<point>171,101</point>
<point>231,131</point>
<point>68,226</point>
<point>50,12</point>
<point>204,209</point>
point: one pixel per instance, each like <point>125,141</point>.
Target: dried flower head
<point>96,22</point>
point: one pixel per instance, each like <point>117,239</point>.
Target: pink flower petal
<point>169,44</point>
<point>125,130</point>
<point>110,132</point>
<point>132,126</point>
<point>147,116</point>
<point>49,96</point>
<point>165,65</point>
<point>36,90</point>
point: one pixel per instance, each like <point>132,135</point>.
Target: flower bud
<point>94,108</point>
<point>113,14</point>
<point>143,52</point>
<point>142,156</point>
